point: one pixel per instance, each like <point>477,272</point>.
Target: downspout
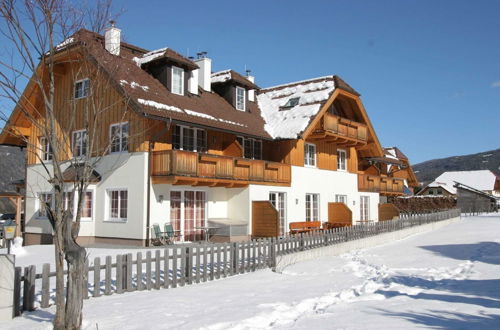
<point>148,195</point>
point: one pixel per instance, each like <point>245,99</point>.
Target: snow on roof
<point>159,106</point>
<point>391,153</point>
<point>289,123</point>
<point>133,84</point>
<point>481,180</point>
<point>148,57</point>
<point>221,76</point>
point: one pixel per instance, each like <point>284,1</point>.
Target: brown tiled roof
<point>238,78</point>
<point>399,153</point>
<point>340,83</point>
<point>209,109</point>
<point>173,56</point>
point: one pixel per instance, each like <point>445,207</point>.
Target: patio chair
<point>171,234</point>
<point>158,237</point>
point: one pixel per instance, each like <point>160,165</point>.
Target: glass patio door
<point>187,212</point>
<point>279,202</point>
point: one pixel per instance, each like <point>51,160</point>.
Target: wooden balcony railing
<point>345,127</point>
<point>218,170</point>
<point>380,184</point>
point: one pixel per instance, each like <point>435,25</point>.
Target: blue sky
<point>428,71</point>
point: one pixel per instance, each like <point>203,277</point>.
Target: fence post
<point>234,258</point>
<point>189,265</point>
<point>7,285</point>
<point>119,274</point>
<point>29,288</point>
<point>45,286</point>
<point>272,259</point>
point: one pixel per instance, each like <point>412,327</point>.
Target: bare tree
<point>35,29</point>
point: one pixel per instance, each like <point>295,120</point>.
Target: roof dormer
<point>235,88</point>
<point>173,70</point>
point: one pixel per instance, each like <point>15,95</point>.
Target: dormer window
<point>82,88</point>
<point>240,98</point>
<point>177,80</point>
<point>290,103</point>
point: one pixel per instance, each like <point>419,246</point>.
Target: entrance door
<point>187,212</point>
<point>279,202</point>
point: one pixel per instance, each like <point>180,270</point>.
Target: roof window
<point>290,103</point>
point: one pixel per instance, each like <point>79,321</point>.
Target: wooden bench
<point>333,225</point>
<point>304,226</point>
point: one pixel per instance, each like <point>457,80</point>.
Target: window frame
<point>92,207</point>
<point>253,143</point>
<point>120,135</point>
<point>173,72</point>
<point>366,208</point>
<point>236,105</point>
<point>338,197</point>
<point>310,215</point>
<point>108,217</point>
<point>46,153</point>
<point>85,90</point>
<point>307,157</point>
<point>73,143</point>
<point>39,204</point>
<point>339,152</point>
<point>196,147</point>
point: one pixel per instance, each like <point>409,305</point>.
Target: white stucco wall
<point>316,181</point>
<point>124,170</point>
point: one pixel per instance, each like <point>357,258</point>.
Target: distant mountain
<point>11,168</point>
<point>431,169</point>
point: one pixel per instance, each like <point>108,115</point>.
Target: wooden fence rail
<point>186,264</point>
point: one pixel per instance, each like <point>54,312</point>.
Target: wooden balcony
<point>381,184</point>
<point>196,169</point>
<point>343,132</point>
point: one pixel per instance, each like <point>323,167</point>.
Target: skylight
<point>291,103</point>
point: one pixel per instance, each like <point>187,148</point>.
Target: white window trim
<point>44,152</point>
<point>343,195</point>
<point>244,99</point>
<point>306,148</point>
<point>253,146</point>
<point>92,216</point>
<point>312,208</point>
<point>73,142</point>
<point>285,215</point>
<point>74,88</point>
<point>39,204</point>
<point>367,207</point>
<point>107,207</point>
<point>345,160</point>
<point>120,138</point>
<point>195,137</point>
<point>182,80</point>
<point>183,219</point>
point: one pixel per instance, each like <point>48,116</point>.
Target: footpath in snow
<point>445,279</point>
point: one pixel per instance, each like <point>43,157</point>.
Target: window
<point>82,88</point>
<point>118,204</point>
<point>177,80</point>
<point>43,199</point>
<point>240,98</point>
<point>290,103</point>
<point>119,137</point>
<point>79,143</point>
<point>341,199</point>
<point>312,207</point>
<point>279,202</point>
<point>309,154</point>
<point>69,202</point>
<point>252,148</point>
<point>87,205</point>
<point>431,192</point>
<point>190,139</point>
<point>439,191</point>
<point>364,207</point>
<point>341,160</point>
<point>45,149</point>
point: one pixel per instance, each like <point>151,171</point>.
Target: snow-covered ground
<point>445,279</point>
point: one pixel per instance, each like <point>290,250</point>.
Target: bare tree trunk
<point>60,299</point>
<point>75,259</point>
